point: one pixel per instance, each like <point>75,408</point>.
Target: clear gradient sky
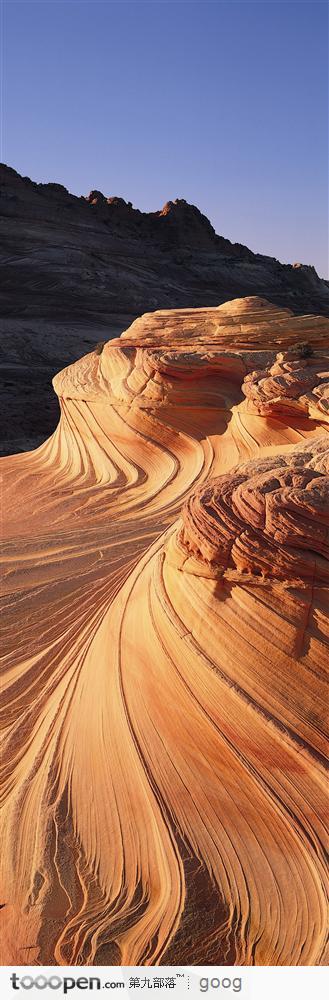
<point>222,103</point>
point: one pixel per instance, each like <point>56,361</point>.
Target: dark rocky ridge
<point>77,270</point>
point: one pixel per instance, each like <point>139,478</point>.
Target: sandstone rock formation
<point>77,270</point>
<point>268,518</point>
<point>291,383</point>
<point>165,608</point>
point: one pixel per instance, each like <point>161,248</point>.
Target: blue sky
<point>222,103</point>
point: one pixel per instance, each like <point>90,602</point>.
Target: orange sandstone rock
<point>268,518</point>
<point>298,385</point>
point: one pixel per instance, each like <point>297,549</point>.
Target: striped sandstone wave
<point>165,583</point>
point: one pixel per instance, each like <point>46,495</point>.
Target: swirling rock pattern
<point>165,609</point>
<point>269,518</point>
<point>300,385</point>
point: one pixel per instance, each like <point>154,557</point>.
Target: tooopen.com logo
<point>56,982</point>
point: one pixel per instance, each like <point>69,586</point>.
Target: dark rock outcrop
<point>64,255</point>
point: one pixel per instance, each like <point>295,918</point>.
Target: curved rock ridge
<point>248,648</point>
<point>151,377</point>
<point>163,690</point>
<point>250,323</point>
<point>268,518</point>
<point>153,361</point>
<point>296,384</point>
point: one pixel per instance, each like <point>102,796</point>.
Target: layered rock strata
<point>299,385</point>
<point>269,518</point>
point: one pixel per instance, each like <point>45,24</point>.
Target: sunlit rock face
<point>165,643</point>
<point>300,385</point>
<point>251,323</point>
<point>268,518</point>
<point>179,355</point>
<point>243,589</point>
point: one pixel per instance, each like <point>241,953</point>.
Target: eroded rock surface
<point>291,383</point>
<point>269,518</point>
<point>165,643</point>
